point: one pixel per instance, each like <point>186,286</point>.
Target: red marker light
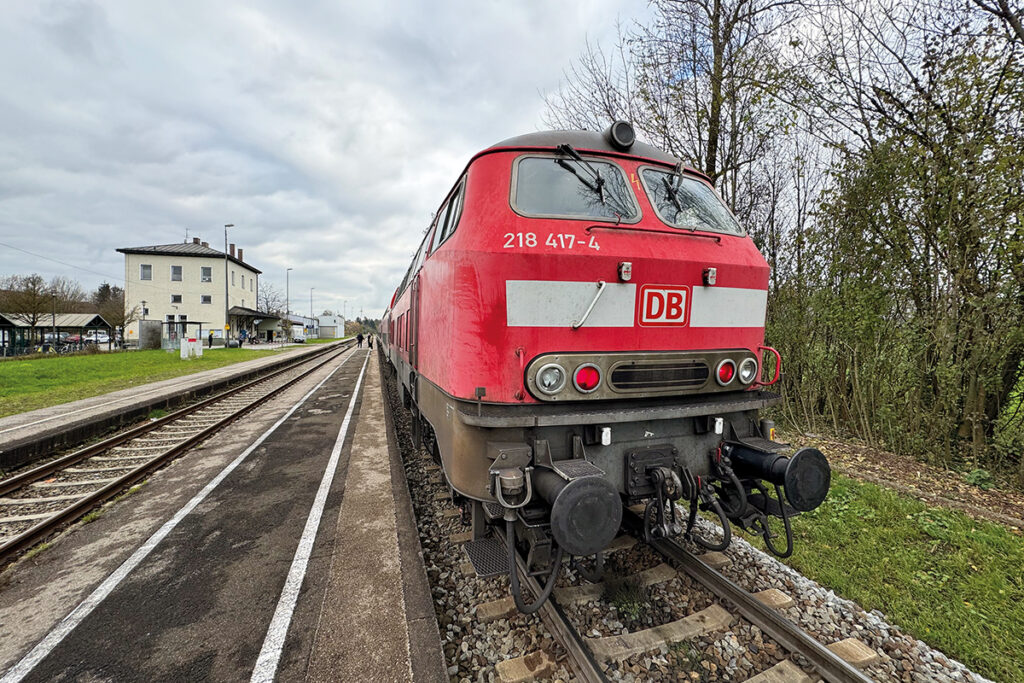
<point>587,378</point>
<point>726,371</point>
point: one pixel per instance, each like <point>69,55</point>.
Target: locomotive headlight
<point>748,370</point>
<point>551,378</point>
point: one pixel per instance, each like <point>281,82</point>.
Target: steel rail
<point>9,484</point>
<point>581,661</point>
<point>770,621</point>
<point>38,532</point>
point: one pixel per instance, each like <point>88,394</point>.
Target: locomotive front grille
<point>635,376</point>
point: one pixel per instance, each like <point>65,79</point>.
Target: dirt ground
<point>933,485</point>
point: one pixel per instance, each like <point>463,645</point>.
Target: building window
<point>175,298</point>
<point>145,312</point>
<point>206,274</point>
<point>182,318</point>
<point>145,271</point>
<point>169,318</point>
<point>232,278</point>
<point>243,280</point>
<point>243,303</point>
<point>175,273</point>
<point>250,284</point>
<point>206,299</point>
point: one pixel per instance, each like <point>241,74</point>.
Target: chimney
<point>240,254</point>
<point>232,250</point>
<point>206,244</point>
<point>195,240</point>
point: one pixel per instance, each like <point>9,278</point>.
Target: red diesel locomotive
<point>582,328</point>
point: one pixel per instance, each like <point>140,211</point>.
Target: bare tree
<point>699,82</point>
<point>1002,10</point>
<point>69,294</point>
<point>26,298</point>
<point>109,302</point>
<point>270,299</point>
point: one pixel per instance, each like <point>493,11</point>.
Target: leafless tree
<point>1002,10</point>
<point>270,299</point>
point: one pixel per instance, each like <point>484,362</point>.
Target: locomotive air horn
<point>806,476</point>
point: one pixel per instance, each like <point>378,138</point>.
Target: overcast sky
<point>326,132</point>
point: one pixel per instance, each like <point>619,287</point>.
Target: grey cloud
<point>326,132</point>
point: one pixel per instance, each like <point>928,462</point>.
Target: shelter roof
<point>242,310</point>
<point>74,320</point>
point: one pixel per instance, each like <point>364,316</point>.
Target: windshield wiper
<point>672,190</point>
<point>597,186</point>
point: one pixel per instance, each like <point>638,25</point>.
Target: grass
<point>36,550</point>
<point>627,595</point>
<point>41,382</point>
<point>951,581</point>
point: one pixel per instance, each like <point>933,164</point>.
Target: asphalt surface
<point>198,606</point>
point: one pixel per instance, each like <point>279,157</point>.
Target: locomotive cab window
<point>687,203</point>
<point>448,217</point>
<point>561,187</point>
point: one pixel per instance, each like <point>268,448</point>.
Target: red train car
<point>582,328</point>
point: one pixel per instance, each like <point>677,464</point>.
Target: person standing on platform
<point>359,340</point>
<point>210,340</point>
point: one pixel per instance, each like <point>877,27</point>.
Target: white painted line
<point>273,644</point>
<point>77,615</point>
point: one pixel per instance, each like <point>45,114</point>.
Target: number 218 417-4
<point>557,240</point>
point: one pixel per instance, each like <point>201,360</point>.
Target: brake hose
<point>513,573</point>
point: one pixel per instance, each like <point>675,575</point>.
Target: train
<point>582,331</point>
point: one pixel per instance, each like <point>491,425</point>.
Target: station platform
<point>30,435</point>
<point>283,549</point>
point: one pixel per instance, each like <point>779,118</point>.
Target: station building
<point>183,283</point>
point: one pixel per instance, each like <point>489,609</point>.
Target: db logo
<point>663,304</point>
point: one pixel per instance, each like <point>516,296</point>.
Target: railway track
<point>732,603</point>
<point>38,502</point>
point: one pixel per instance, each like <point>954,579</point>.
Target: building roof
<point>5,321</point>
<point>186,249</point>
<point>74,320</point>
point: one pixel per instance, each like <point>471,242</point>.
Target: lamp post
<point>227,324</point>
<point>53,320</point>
<point>287,305</point>
<point>311,302</point>
<point>143,309</point>
<point>287,293</point>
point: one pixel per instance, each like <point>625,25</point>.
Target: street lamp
<point>311,303</point>
<point>143,309</point>
<point>287,293</point>
<point>53,296</point>
<point>227,323</point>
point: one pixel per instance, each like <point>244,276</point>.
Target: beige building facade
<point>184,283</point>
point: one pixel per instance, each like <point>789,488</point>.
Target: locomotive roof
<point>581,140</point>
